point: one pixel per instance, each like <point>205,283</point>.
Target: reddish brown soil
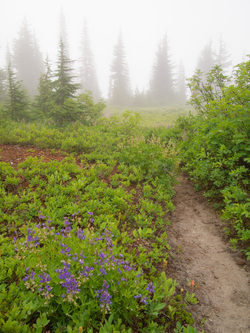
<point>200,253</point>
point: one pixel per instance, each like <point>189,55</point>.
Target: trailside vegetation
<point>215,145</point>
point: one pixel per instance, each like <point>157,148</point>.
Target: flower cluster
<point>102,262</point>
<point>104,296</point>
<point>45,287</point>
<point>69,280</point>
<point>27,276</point>
<point>143,299</point>
<point>31,237</point>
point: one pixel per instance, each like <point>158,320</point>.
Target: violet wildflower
<point>81,234</point>
<point>81,261</point>
<point>104,296</point>
<point>150,287</point>
<point>143,300</point>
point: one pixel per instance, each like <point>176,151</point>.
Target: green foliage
<point>215,146</point>
<point>109,211</point>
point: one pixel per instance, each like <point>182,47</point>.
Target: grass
<point>152,116</point>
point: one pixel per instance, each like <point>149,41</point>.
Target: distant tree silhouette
<point>161,83</point>
<point>3,85</point>
<point>181,85</point>
<point>87,72</point>
<point>119,88</point>
<point>27,59</point>
<point>63,35</point>
<point>222,57</point>
<point>206,60</point>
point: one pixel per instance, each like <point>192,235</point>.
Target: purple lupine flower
<point>81,261</point>
<point>143,300</point>
<point>90,213</point>
<point>70,283</point>
<point>103,272</point>
<point>105,297</point>
<point>26,278</point>
<point>92,220</point>
<point>138,296</point>
<point>48,287</point>
<point>150,287</point>
<point>44,278</point>
<point>81,234</point>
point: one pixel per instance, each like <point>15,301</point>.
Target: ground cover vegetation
<point>84,240</point>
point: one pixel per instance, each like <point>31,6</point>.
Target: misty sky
<point>189,25</point>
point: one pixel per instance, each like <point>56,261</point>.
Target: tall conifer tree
<point>206,60</point>
<point>181,85</point>
<point>27,59</point>
<point>161,84</point>
<point>87,72</point>
<point>64,86</point>
<point>120,91</point>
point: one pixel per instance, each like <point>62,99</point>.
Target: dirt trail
<point>202,254</point>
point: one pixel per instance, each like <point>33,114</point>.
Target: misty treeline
<point>33,88</point>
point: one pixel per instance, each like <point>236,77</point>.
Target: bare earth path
<point>202,254</point>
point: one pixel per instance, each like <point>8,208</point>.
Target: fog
<point>189,25</point>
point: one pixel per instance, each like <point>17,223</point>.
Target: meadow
<point>84,237</point>
<point>160,116</point>
<point>84,225</point>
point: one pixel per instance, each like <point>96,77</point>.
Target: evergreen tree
<point>88,78</point>
<point>27,59</point>
<point>3,85</point>
<point>17,102</point>
<point>161,84</point>
<point>181,85</point>
<point>222,57</point>
<point>44,99</point>
<point>63,32</point>
<point>206,60</point>
<point>120,91</point>
<point>64,86</point>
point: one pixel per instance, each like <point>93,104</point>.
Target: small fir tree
<point>16,106</point>
<point>44,100</point>
<point>64,80</point>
